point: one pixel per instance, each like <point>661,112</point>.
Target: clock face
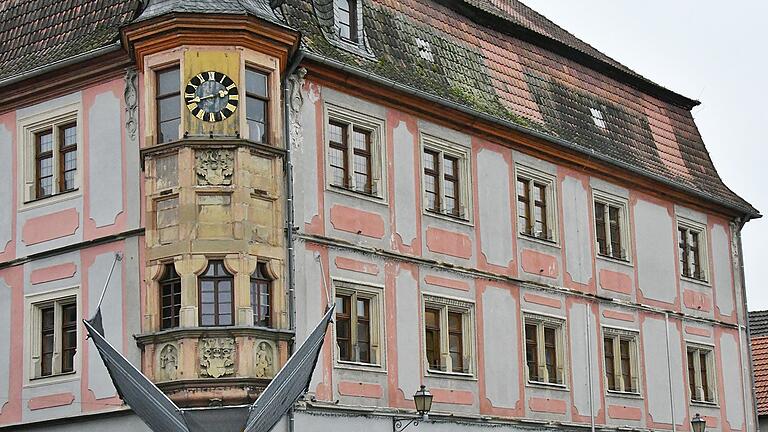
<point>211,96</point>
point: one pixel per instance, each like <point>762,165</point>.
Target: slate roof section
<point>489,71</point>
<point>758,332</point>
<point>258,8</point>
<point>36,33</point>
<point>758,323</point>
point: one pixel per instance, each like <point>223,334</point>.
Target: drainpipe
<point>589,372</point>
<point>289,221</point>
<point>739,223</point>
<point>669,372</point>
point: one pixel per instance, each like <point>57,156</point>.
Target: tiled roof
<point>36,33</point>
<point>552,83</point>
<point>758,323</point>
<point>511,79</point>
<point>760,368</point>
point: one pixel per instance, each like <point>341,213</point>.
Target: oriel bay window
<point>692,250</point>
<point>261,296</point>
<point>536,209</point>
<point>168,104</point>
<point>620,351</point>
<point>701,373</point>
<point>216,295</point>
<point>55,160</point>
<point>544,355</point>
<point>611,227</point>
<point>448,330</point>
<point>55,343</point>
<point>357,318</point>
<point>170,298</point>
<point>257,105</point>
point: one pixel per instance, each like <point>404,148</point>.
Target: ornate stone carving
<point>168,362</point>
<point>263,361</point>
<point>131,103</point>
<point>214,167</point>
<point>296,101</point>
<point>217,357</point>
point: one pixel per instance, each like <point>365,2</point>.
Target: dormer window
<point>345,13</point>
<point>597,118</point>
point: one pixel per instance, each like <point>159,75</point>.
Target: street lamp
<point>423,401</point>
<point>698,424</point>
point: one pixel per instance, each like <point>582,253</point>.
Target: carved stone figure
<point>214,167</point>
<point>217,357</point>
<point>131,103</point>
<point>169,362</point>
<point>263,361</point>
<point>297,100</point>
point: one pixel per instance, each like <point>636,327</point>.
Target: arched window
<point>170,298</point>
<point>261,296</point>
<point>216,303</point>
<point>346,18</point>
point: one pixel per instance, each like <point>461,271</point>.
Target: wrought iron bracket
<point>401,424</point>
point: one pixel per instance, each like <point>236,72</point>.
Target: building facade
<point>499,212</point>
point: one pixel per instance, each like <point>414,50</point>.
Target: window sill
<point>705,404</point>
<point>366,367</point>
<point>52,379</point>
<point>453,375</point>
<point>547,386</point>
<point>50,200</point>
<point>625,395</point>
<point>608,258</point>
<point>357,194</point>
<point>448,217</point>
<point>702,282</point>
<point>531,238</point>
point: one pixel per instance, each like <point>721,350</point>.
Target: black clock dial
<point>211,96</point>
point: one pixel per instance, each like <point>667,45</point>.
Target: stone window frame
<point>376,127</point>
<point>375,294</point>
<point>534,175</point>
<point>27,129</point>
<point>559,325</point>
<point>463,155</point>
<point>711,398</point>
<point>152,64</point>
<point>609,199</point>
<point>633,337</point>
<point>33,322</point>
<point>268,66</point>
<point>466,308</point>
<point>690,225</point>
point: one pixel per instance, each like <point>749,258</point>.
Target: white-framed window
<point>536,204</point>
<point>544,349</point>
<point>347,19</point>
<point>51,148</point>
<point>692,250</point>
<point>611,226</point>
<point>53,334</point>
<point>359,324</point>
<point>445,178</point>
<point>621,360</point>
<point>354,144</point>
<point>449,328</point>
<point>701,373</point>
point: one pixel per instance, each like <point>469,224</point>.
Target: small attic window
<point>597,117</point>
<point>425,50</point>
<point>345,16</point>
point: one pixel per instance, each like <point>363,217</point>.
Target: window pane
<point>45,141</point>
<point>626,368</point>
<point>168,81</point>
<point>550,353</point>
<point>704,378</point>
<point>531,352</point>
<point>432,338</point>
<point>455,341</point>
<point>255,83</point>
<point>343,327</point>
<point>683,251</point>
<point>692,376</point>
<point>609,363</point>
<point>168,131</point>
<point>69,135</point>
<point>602,240</point>
<point>523,206</point>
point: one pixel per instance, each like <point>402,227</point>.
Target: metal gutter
<point>61,63</point>
<point>751,213</point>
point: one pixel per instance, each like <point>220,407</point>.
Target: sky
<point>708,50</point>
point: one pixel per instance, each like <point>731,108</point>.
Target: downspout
<point>589,372</point>
<point>289,206</point>
<point>739,223</point>
<point>669,372</point>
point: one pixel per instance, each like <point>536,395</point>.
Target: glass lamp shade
<point>423,400</point>
<point>698,424</point>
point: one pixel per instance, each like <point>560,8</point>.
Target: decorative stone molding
<point>263,360</point>
<point>168,363</point>
<point>214,167</point>
<point>131,103</point>
<point>217,357</point>
<point>296,102</point>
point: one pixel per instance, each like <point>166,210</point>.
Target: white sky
<point>708,50</point>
